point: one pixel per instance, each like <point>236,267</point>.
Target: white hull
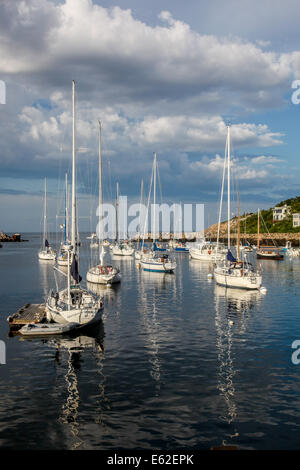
<point>63,262</point>
<point>46,329</point>
<point>205,256</point>
<point>122,251</point>
<point>47,255</point>
<point>87,310</point>
<point>249,281</point>
<point>158,266</point>
<point>96,277</point>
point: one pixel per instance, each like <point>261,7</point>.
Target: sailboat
<point>266,252</point>
<point>102,273</point>
<point>124,248</point>
<point>73,303</point>
<point>142,248</point>
<point>46,252</point>
<point>153,260</point>
<point>207,251</point>
<point>234,272</point>
<point>62,258</point>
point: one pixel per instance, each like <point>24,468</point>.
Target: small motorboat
<point>42,329</point>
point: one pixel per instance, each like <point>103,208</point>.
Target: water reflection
<point>232,312</point>
<point>72,353</point>
<point>148,308</point>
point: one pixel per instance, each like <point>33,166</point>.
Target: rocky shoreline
<point>15,237</point>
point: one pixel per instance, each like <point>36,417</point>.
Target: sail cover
<point>230,257</point>
<point>46,243</point>
<point>74,270</point>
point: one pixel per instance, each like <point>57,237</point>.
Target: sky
<point>163,76</point>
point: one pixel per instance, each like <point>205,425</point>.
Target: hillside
<point>248,222</point>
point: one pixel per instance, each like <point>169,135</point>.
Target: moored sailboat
<point>73,304</point>
<point>153,260</point>
<point>102,273</point>
<point>234,272</point>
<point>46,253</point>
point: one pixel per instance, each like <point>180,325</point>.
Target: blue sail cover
<point>74,270</point>
<point>230,257</point>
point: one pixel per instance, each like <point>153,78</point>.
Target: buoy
<point>231,322</point>
<point>263,290</point>
<point>209,276</point>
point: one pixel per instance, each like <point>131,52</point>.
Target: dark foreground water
<point>176,363</point>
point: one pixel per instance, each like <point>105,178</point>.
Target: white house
<point>281,212</point>
<point>296,219</point>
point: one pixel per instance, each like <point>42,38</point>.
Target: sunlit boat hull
<point>223,278</point>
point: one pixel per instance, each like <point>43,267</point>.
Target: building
<point>281,212</point>
<point>296,219</point>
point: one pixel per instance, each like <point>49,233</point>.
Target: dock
<point>29,313</point>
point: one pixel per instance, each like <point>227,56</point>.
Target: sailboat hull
<point>47,255</point>
<point>99,278</point>
<point>272,255</point>
<point>241,282</point>
<point>158,267</point>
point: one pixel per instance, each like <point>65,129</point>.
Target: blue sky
<point>163,76</point>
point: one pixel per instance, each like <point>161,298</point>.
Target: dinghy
<point>42,329</point>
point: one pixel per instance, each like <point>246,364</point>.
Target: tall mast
<point>239,230</point>
<point>117,213</point>
<point>45,212</point>
<point>228,182</point>
<point>154,197</point>
<point>66,210</point>
<point>73,222</point>
<point>100,188</point>
<point>141,202</point>
<point>258,229</point>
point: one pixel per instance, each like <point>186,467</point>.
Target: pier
<point>29,313</point>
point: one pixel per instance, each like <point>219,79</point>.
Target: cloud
<point>263,159</point>
<point>200,134</point>
<point>164,62</point>
<point>162,87</point>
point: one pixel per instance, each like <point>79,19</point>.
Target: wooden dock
<point>29,313</point>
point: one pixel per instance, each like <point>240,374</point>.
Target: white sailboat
<point>234,272</point>
<point>155,261</point>
<point>73,304</point>
<point>207,251</point>
<point>120,248</point>
<point>141,248</point>
<point>46,252</point>
<point>102,273</point>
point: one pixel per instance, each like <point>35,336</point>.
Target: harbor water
<point>176,363</point>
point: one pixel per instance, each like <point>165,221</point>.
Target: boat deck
<point>29,313</point>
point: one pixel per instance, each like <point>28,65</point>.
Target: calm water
<point>176,363</point>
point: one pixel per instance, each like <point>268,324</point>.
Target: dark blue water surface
<point>177,361</point>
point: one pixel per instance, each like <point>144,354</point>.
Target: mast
<point>239,230</point>
<point>141,202</point>
<point>45,213</point>
<point>258,229</point>
<point>154,197</point>
<point>73,221</point>
<point>228,182</point>
<point>100,190</point>
<point>117,213</point>
<point>66,210</point>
